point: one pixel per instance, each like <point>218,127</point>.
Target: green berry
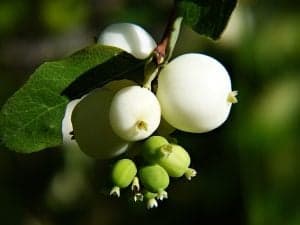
<point>123,173</point>
<point>173,158</point>
<point>176,161</point>
<point>154,178</point>
<point>150,150</point>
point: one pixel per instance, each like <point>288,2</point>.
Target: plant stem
<point>164,50</point>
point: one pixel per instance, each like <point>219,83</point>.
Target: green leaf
<point>31,119</point>
<point>207,17</point>
<point>123,66</point>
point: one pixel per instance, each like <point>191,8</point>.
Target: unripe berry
<point>151,148</point>
<point>123,173</point>
<point>92,129</point>
<point>129,37</point>
<point>195,94</point>
<point>173,158</point>
<point>134,113</point>
<point>176,161</point>
<point>154,178</point>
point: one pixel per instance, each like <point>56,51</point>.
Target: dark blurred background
<point>249,172</point>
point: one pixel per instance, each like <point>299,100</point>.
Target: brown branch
<point>161,50</point>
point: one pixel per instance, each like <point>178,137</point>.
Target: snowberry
<point>150,149</point>
<point>154,178</point>
<point>129,37</point>
<point>134,113</point>
<point>123,174</point>
<point>67,126</point>
<point>176,161</point>
<point>195,94</point>
<point>92,129</point>
<point>173,158</point>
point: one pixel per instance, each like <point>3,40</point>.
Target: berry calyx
<point>151,201</point>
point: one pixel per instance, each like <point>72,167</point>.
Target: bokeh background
<point>249,170</point>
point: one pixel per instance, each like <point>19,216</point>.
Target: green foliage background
<point>248,168</point>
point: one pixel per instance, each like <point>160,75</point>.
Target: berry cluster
<point>193,94</point>
<point>161,160</point>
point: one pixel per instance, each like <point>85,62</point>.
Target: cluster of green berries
<point>162,160</point>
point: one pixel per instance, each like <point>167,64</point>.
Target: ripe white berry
<point>67,126</point>
<point>134,113</point>
<point>92,129</point>
<point>195,94</point>
<point>129,37</point>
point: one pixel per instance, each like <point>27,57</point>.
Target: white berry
<point>195,94</point>
<point>67,126</point>
<point>134,113</point>
<point>92,129</point>
<point>129,37</point>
